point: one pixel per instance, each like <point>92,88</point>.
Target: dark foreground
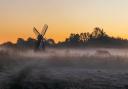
<point>29,70</point>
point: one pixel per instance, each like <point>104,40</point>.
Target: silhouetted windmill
<point>40,37</point>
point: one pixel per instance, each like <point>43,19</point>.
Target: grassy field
<point>64,69</point>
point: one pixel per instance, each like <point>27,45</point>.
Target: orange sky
<point>63,17</point>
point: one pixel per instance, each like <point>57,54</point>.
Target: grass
<point>50,70</point>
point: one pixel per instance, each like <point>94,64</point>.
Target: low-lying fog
<point>98,68</point>
<point>106,52</point>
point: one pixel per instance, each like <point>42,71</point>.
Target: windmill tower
<point>40,37</point>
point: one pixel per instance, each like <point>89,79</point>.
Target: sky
<point>18,17</point>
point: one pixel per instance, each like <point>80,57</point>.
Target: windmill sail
<point>40,43</point>
<point>44,29</point>
<point>35,31</point>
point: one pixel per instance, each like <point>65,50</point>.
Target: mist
<point>63,68</point>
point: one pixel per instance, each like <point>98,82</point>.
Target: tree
<point>20,42</point>
<point>30,42</point>
<point>51,42</point>
<point>84,37</point>
<point>98,33</point>
<point>74,39</point>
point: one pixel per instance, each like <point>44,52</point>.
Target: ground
<point>63,69</point>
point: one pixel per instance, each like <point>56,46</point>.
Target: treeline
<point>97,38</point>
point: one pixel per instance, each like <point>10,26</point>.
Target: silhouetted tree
<point>84,37</point>
<point>30,42</point>
<point>50,42</point>
<point>20,42</point>
<point>74,39</point>
<point>98,33</point>
<point>8,44</point>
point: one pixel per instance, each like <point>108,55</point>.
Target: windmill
<point>40,37</point>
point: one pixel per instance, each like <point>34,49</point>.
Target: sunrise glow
<point>18,17</point>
